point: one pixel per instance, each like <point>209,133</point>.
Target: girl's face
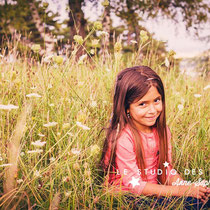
<point>145,111</point>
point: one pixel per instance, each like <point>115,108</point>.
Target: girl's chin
<point>151,123</point>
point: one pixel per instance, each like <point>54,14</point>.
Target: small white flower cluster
<point>34,151</point>
<point>82,58</point>
<point>75,151</point>
<point>41,135</point>
<point>167,63</point>
<point>207,87</point>
<point>84,127</point>
<point>8,107</point>
<point>1,158</point>
<point>38,143</point>
<point>37,174</point>
<point>6,164</point>
<point>50,124</point>
<point>33,95</point>
<point>181,106</point>
<point>102,33</point>
<point>197,95</point>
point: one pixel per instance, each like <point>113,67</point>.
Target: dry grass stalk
<point>55,202</point>
<point>14,150</point>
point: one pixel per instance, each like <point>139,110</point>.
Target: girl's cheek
<point>160,107</point>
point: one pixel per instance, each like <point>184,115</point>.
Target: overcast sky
<point>175,35</point>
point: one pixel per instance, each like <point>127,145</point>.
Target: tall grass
<point>63,173</point>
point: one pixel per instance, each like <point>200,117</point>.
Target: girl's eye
<point>142,104</point>
<point>157,100</point>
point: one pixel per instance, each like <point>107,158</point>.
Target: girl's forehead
<point>151,94</point>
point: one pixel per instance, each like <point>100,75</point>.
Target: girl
<point>137,150</point>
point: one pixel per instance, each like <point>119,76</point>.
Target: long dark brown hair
<point>131,85</point>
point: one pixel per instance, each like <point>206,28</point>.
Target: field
<point>52,114</point>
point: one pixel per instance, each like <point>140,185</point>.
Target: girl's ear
<point>128,113</point>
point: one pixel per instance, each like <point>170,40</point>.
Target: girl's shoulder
<point>125,136</point>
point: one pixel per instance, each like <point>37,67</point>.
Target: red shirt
<point>128,176</point>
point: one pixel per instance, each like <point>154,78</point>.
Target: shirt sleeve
<point>127,164</point>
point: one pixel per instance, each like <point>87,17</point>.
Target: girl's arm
<point>164,190</point>
<point>173,179</point>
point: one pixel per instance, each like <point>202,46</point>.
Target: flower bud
<point>97,25</point>
<point>36,48</point>
<point>117,47</point>
<point>94,150</point>
<point>95,43</point>
<point>78,39</point>
<point>143,36</point>
<point>105,3</point>
<point>58,59</point>
<point>171,53</point>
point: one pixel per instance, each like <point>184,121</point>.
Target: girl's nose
<point>152,109</point>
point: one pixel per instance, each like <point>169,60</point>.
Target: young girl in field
<point>137,150</point>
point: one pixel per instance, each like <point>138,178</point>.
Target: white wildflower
<point>92,51</point>
<point>8,107</point>
<point>64,26</point>
<point>101,33</point>
<point>82,57</point>
<point>34,151</point>
<point>66,125</point>
<point>105,102</point>
<point>19,181</point>
<point>70,134</point>
<point>1,158</point>
<point>4,165</point>
<point>51,105</point>
<point>182,100</point>
<point>37,174</point>
<point>93,104</point>
<point>41,135</point>
<point>197,95</point>
<point>67,194</point>
<point>22,154</point>
<point>50,124</point>
<point>52,159</point>
<point>79,124</point>
<point>108,70</point>
<point>95,149</point>
<point>80,84</point>
<point>167,63</point>
<point>180,107</point>
<point>33,95</point>
<point>65,179</point>
<point>38,143</point>
<point>207,87</point>
<point>49,86</point>
<point>134,42</point>
<point>75,151</point>
<point>47,59</point>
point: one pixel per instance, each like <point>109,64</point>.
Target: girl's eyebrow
<point>159,97</point>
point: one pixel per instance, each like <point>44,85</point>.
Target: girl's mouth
<point>151,118</point>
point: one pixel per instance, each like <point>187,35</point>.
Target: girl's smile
<point>145,111</point>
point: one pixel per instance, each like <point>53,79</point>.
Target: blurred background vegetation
<point>33,22</point>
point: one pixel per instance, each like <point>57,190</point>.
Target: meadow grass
<point>76,97</point>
